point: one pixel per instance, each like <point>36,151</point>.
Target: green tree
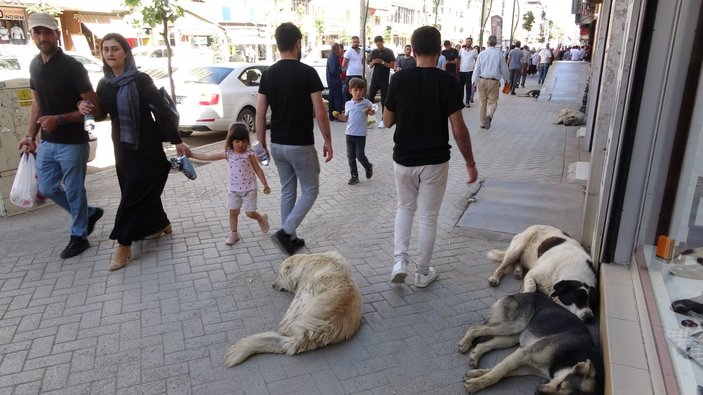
<point>319,23</point>
<point>388,35</point>
<point>44,8</point>
<point>528,20</point>
<point>159,12</point>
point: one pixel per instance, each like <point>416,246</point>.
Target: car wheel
<point>247,116</point>
<point>185,133</point>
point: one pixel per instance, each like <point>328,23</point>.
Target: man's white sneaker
<point>381,125</point>
<point>423,280</point>
<point>400,271</point>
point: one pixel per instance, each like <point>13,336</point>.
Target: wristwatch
<point>60,120</point>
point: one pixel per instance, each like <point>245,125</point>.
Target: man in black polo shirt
<point>58,82</point>
<point>381,60</point>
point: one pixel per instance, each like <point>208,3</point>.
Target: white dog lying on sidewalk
<point>326,308</point>
<point>557,265</point>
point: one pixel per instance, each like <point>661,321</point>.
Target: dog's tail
<point>264,342</point>
<point>496,255</point>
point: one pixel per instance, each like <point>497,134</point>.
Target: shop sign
<point>12,14</point>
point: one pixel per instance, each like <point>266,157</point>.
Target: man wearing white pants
<point>419,102</point>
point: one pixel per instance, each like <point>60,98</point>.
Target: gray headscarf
<point>127,101</point>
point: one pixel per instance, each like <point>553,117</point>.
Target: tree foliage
<point>528,20</point>
<point>159,12</point>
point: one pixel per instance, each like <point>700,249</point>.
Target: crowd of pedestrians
<point>434,80</point>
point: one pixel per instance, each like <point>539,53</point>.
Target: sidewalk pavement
<point>163,324</point>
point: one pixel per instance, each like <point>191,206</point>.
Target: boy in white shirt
<point>356,112</point>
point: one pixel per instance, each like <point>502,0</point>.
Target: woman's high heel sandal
<point>119,257</point>
<point>166,230</point>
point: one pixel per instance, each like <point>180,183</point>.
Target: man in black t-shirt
<point>420,100</point>
<point>58,82</point>
<point>452,56</point>
<point>381,61</point>
<point>294,91</point>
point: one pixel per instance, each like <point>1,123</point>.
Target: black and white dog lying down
<point>553,344</point>
<point>557,266</point>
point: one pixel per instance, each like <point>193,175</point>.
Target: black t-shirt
<point>422,99</point>
<point>59,84</point>
<point>287,85</point>
<point>451,54</point>
<point>381,72</point>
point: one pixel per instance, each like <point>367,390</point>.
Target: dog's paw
<point>519,272</point>
<point>494,280</point>
<point>474,358</point>
<point>473,385</point>
<point>465,345</point>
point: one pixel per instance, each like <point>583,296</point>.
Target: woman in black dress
<point>142,168</point>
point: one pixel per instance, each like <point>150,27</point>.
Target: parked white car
<point>212,97</point>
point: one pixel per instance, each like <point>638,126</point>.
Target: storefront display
<point>13,26</point>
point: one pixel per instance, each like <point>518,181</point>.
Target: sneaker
<point>400,271</point>
<point>353,181</point>
<point>284,243</point>
<point>488,122</point>
<point>75,246</point>
<point>468,105</point>
<point>295,245</point>
<point>94,218</point>
<point>472,100</point>
<point>381,125</point>
<point>232,238</point>
<point>264,223</point>
<point>423,280</point>
<point>369,171</point>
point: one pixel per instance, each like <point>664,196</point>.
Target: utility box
<point>15,105</point>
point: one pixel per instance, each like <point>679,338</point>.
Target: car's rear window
<point>207,75</point>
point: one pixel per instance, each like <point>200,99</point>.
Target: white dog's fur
<point>326,308</point>
<point>557,265</point>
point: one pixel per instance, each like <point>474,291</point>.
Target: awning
<point>102,24</point>
<point>191,24</point>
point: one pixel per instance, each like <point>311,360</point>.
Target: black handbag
<point>167,119</point>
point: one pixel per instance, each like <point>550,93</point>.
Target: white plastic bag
<point>24,187</point>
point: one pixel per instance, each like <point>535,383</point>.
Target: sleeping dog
<point>553,344</point>
<point>556,265</point>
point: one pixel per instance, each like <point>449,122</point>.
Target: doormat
<point>511,206</point>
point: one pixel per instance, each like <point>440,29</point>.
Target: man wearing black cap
<point>381,60</point>
<point>58,82</point>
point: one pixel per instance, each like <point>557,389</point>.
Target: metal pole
<point>512,24</point>
<point>481,23</point>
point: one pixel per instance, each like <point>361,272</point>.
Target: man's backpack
<point>167,119</point>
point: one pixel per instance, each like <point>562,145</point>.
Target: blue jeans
<point>543,67</point>
<point>296,163</point>
<point>66,164</point>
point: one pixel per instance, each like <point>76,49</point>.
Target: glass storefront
<point>13,26</point>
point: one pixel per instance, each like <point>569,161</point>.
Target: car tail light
<point>212,100</point>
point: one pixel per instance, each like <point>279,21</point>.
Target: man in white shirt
<point>467,60</point>
<point>353,64</point>
<point>490,68</point>
<point>545,59</point>
<point>576,53</point>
